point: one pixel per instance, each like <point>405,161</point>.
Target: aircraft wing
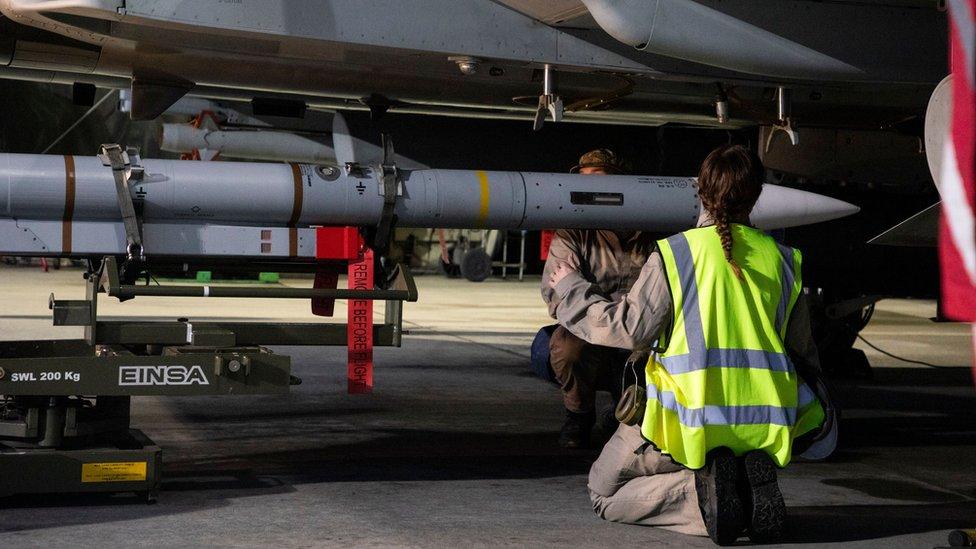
<point>647,63</point>
<point>919,230</point>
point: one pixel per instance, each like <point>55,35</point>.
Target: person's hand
<point>559,273</point>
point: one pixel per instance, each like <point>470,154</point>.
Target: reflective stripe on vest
<point>730,415</point>
<point>786,254</point>
<point>724,415</point>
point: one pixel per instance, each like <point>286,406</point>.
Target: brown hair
<point>729,184</point>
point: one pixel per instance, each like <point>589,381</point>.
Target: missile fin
<point>342,141</point>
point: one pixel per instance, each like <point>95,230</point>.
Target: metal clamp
<point>549,102</point>
<point>784,118</point>
<point>113,155</point>
<point>390,181</point>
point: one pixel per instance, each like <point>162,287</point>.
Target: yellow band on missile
<point>485,198</point>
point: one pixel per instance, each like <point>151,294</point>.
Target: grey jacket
<point>610,260</point>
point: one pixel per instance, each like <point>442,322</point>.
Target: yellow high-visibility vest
<point>724,378</point>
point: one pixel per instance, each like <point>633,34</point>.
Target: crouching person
<point>725,399</point>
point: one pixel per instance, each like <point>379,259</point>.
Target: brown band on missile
<point>69,203</point>
<point>296,210</point>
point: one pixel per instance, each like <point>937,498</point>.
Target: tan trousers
<point>646,488</point>
<point>583,369</point>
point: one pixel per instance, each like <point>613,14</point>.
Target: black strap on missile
<point>390,180</point>
<point>113,156</point>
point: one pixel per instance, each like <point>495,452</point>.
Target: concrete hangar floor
<point>457,446</point>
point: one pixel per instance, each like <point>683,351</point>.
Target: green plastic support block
<point>204,276</point>
<point>268,277</point>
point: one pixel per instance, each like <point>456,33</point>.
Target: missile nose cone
<point>781,207</point>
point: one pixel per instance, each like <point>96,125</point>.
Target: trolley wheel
<point>476,265</point>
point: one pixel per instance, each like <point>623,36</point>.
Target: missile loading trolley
<point>64,422</point>
<point>64,426</point>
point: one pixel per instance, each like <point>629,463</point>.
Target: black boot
<point>764,502</point>
<point>721,508</point>
<point>576,430</point>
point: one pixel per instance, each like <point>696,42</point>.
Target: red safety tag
<point>360,325</point>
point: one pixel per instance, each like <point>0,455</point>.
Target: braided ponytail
<point>729,185</point>
<point>725,233</point>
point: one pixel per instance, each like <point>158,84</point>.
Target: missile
<point>68,206</point>
<point>270,144</point>
<point>252,144</point>
<point>273,145</point>
<point>72,206</point>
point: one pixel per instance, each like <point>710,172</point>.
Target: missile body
<point>267,143</point>
<point>64,205</point>
<point>258,145</point>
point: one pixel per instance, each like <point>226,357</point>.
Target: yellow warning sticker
<point>115,471</point>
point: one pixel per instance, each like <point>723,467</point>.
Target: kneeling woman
<point>722,305</point>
